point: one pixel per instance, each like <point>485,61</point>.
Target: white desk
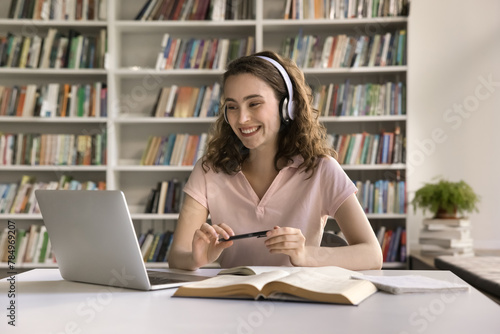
<point>47,304</point>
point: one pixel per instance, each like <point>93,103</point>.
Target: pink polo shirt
<point>291,200</point>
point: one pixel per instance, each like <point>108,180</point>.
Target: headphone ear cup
<point>225,114</point>
<point>284,110</point>
<point>291,110</point>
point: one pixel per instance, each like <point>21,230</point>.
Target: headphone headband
<point>289,87</point>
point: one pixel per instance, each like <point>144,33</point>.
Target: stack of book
<point>446,237</point>
<point>382,196</point>
<point>199,53</point>
<point>181,149</point>
<point>155,246</point>
<point>344,9</point>
<point>54,100</point>
<point>393,243</point>
<point>56,50</point>
<point>19,197</point>
<point>187,101</point>
<point>368,149</point>
<point>185,10</point>
<point>88,10</point>
<point>166,197</point>
<point>32,246</point>
<point>52,149</point>
<point>343,51</point>
<point>369,99</point>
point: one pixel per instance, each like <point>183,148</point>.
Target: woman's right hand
<point>206,245</point>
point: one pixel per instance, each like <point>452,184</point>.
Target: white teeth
<point>247,131</point>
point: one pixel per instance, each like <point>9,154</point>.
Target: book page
<point>323,284</point>
<point>258,281</point>
<point>255,270</point>
<point>330,280</point>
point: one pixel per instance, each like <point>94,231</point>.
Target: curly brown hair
<point>304,135</point>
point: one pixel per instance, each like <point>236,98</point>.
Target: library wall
<point>454,100</point>
<point>362,102</point>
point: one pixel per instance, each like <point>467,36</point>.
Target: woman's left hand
<point>289,241</point>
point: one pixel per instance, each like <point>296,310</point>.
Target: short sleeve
<point>337,186</point>
<point>196,186</point>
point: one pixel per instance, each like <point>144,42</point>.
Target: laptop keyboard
<point>162,277</point>
<point>157,278</point>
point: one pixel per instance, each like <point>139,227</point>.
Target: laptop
<point>94,241</point>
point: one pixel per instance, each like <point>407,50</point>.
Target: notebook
<point>94,241</point>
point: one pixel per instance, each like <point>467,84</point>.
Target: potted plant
<point>446,199</point>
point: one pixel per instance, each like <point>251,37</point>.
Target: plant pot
<point>444,214</point>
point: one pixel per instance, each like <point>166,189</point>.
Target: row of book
<point>393,243</point>
<point>20,197</point>
<point>90,100</point>
<point>166,197</point>
<point>155,246</point>
<point>194,53</point>
<point>184,10</point>
<point>451,236</point>
<point>382,196</point>
<point>32,245</point>
<point>52,149</point>
<point>187,101</point>
<point>342,9</point>
<point>57,50</point>
<point>181,149</point>
<point>58,9</point>
<point>369,149</point>
<point>54,100</point>
<point>370,99</point>
<point>343,51</point>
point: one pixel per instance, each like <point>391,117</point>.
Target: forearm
<point>363,256</point>
<point>363,252</point>
<point>182,260</point>
<point>193,215</point>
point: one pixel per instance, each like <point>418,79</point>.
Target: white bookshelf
<point>133,85</point>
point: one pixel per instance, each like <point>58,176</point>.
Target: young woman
<point>268,167</point>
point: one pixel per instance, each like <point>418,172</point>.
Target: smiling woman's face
<point>252,111</point>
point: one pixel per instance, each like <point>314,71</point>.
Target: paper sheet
<point>412,284</point>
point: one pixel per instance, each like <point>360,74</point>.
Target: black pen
<point>260,234</point>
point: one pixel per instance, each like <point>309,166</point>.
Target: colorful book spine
<point>173,150</point>
<point>382,196</point>
<point>52,149</point>
<point>343,51</point>
<point>56,50</point>
<point>369,149</point>
<point>54,100</point>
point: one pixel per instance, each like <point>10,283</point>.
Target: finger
<point>289,252</point>
<point>282,230</point>
<point>272,232</point>
<point>227,228</point>
<point>225,244</point>
<point>209,230</point>
<point>273,239</point>
<point>221,231</point>
<point>286,244</point>
<point>199,234</point>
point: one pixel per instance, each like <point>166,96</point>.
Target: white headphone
<point>286,104</point>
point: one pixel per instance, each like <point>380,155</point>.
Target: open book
<point>322,284</point>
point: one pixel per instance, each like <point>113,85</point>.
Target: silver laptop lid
<point>93,237</point>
